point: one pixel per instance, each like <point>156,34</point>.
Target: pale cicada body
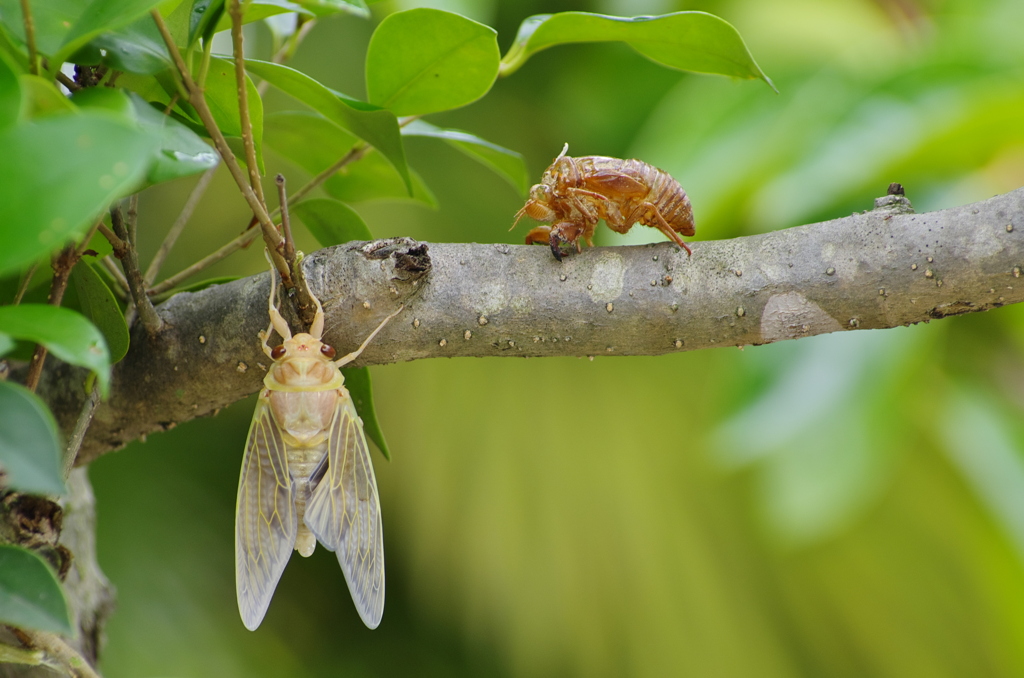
<point>576,193</point>
<point>306,475</point>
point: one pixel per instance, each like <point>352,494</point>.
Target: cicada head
<point>538,206</point>
<point>303,363</point>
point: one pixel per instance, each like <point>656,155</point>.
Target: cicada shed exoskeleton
<point>306,475</point>
<point>575,193</point>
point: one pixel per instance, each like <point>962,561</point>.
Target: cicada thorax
<point>303,387</point>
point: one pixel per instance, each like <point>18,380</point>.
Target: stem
<point>178,226</point>
<point>286,222</point>
<point>235,10</point>
<point>114,270</point>
<point>357,152</point>
<point>67,82</point>
<point>198,101</point>
<point>246,237</point>
<point>151,321</point>
<point>84,245</point>
<point>120,246</point>
<point>30,37</point>
<point>24,284</point>
<point>81,426</point>
<point>288,49</point>
<point>305,302</point>
<point>238,243</point>
<point>56,647</point>
<point>62,265</point>
<point>204,63</point>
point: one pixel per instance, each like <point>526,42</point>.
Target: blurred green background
<point>846,505</point>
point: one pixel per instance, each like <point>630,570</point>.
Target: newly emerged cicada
<point>306,474</point>
<point>575,193</point>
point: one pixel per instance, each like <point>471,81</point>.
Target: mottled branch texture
<point>879,269</point>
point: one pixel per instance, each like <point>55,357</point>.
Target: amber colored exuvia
<point>575,193</point>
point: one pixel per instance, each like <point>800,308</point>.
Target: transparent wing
<point>344,512</point>
<point>265,522</point>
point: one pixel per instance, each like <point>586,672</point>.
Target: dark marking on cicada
<point>575,193</point>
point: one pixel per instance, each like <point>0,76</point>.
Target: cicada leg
<point>540,235</point>
<point>346,359</point>
<point>663,226</point>
<point>277,321</point>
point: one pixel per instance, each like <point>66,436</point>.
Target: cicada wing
<point>612,183</point>
<point>344,512</point>
<point>265,521</point>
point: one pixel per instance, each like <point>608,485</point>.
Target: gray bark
<point>878,269</point>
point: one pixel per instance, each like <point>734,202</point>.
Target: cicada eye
<point>541,192</point>
<point>278,352</point>
<point>328,351</point>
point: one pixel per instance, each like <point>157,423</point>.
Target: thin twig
<point>120,246</point>
<point>286,222</point>
<point>354,154</point>
<point>179,225</point>
<point>133,219</point>
<point>113,269</point>
<point>62,265</point>
<point>246,237</point>
<point>24,284</point>
<point>235,10</point>
<point>84,245</point>
<point>81,426</point>
<point>151,321</point>
<point>67,82</point>
<point>57,648</point>
<point>204,64</point>
<point>238,243</point>
<point>198,101</point>
<point>287,50</point>
<point>30,37</point>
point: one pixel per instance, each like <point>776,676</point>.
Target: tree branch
<point>879,269</point>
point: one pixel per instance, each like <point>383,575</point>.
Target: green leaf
<point>315,143</point>
<point>105,99</point>
<point>40,98</point>
<point>204,15</point>
<point>508,164</point>
<point>100,306</point>
<point>30,449</point>
<point>357,381</point>
<point>256,10</point>
<point>51,21</point>
<point>331,222</point>
<point>57,174</point>
<point>425,60</point>
<point>100,16</point>
<point>135,48</point>
<point>373,178</point>
<point>688,41</point>
<point>374,125</point>
<point>308,139</point>
<point>6,344</point>
<point>10,96</point>
<point>182,152</point>
<point>66,334</point>
<point>30,595</point>
<point>222,98</point>
<point>323,8</point>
